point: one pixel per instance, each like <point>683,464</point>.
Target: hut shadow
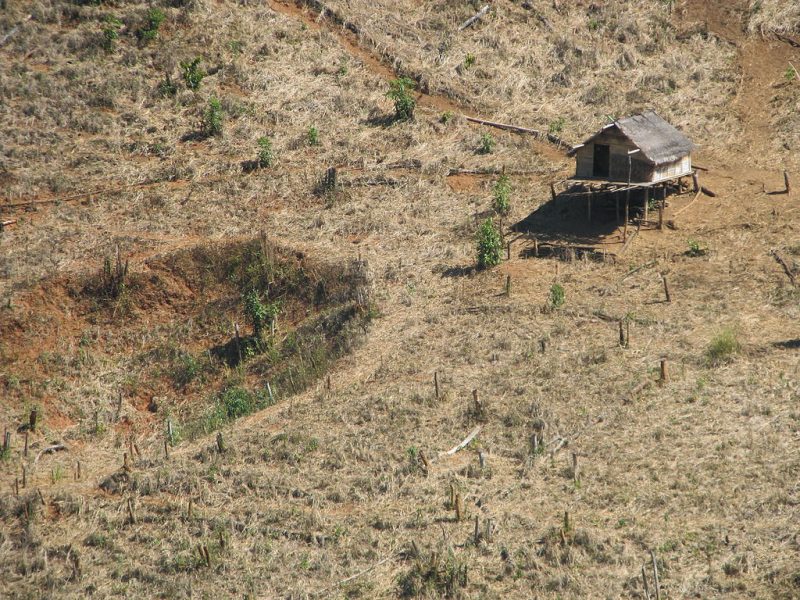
<point>788,344</point>
<point>568,219</point>
<point>232,353</point>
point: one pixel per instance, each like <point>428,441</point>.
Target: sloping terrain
<point>584,468</point>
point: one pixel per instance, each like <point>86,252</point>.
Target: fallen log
<point>50,450</point>
<point>707,191</point>
<point>475,18</point>
<point>464,443</point>
<point>517,129</point>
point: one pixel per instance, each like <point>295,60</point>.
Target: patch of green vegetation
<point>433,577</point>
<point>446,117</point>
<point>557,295</point>
<point>111,33</point>
<point>469,60</point>
<point>502,195</point>
<point>489,245</point>
<point>313,136</point>
<point>192,74</point>
<point>723,347</point>
<point>153,20</point>
<point>400,93</point>
<point>486,144</point>
<point>557,126</point>
<point>212,118</point>
<point>266,156</point>
<point>167,87</point>
<point>696,249</point>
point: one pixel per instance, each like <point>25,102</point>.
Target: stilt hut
<point>641,149</point>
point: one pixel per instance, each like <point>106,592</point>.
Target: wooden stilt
<point>589,207</point>
<point>625,227</point>
<point>616,202</point>
<point>646,202</point>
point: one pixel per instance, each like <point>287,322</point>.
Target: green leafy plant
<point>446,117</point>
<point>723,347</point>
<point>502,195</point>
<point>111,33</point>
<point>486,144</point>
<point>266,156</point>
<point>192,74</point>
<point>557,295</point>
<point>313,136</point>
<point>400,93</point>
<point>212,118</point>
<point>557,126</point>
<point>259,314</point>
<point>489,244</point>
<point>790,74</point>
<point>153,20</point>
<point>695,249</point>
<point>469,60</point>
<point>167,87</point>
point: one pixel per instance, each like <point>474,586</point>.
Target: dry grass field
<point>173,457</point>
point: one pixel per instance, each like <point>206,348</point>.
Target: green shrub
<point>265,154</point>
<point>502,195</point>
<point>486,144</point>
<point>723,347</point>
<point>400,92</point>
<point>313,136</point>
<point>258,313</point>
<point>111,33</point>
<point>790,74</point>
<point>557,126</point>
<point>237,402</point>
<point>212,119</point>
<point>469,60</point>
<point>446,117</point>
<point>167,87</point>
<point>557,295</point>
<point>192,75</point>
<point>695,249</point>
<point>489,244</point>
<point>149,31</point>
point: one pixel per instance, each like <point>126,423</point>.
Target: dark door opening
<point>602,160</point>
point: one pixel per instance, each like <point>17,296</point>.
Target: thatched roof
<point>659,141</point>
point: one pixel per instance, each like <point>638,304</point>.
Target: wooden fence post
<point>664,371</point>
<point>508,285</point>
<point>786,181</point>
<point>666,288</point>
<point>695,181</point>
<point>436,384</point>
<point>34,417</point>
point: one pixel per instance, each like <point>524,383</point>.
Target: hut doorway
<point>602,160</point>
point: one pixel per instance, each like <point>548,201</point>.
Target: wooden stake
<point>661,215</point>
<point>664,371</point>
<point>119,407</point>
<point>24,476</point>
<point>477,534</point>
<point>125,464</point>
<point>508,251</point>
<point>627,210</point>
<point>78,471</point>
<point>655,575</point>
<point>536,247</point>
<point>459,507</point>
<point>666,288</point>
<point>436,384</point>
<point>786,181</point>
<point>553,192</point>
<point>646,202</point>
<point>220,443</point>
<point>696,182</point>
<point>508,285</point>
<point>16,487</point>
<point>131,514</point>
<point>166,449</point>
<point>26,443</point>
<point>32,421</point>
<point>621,334</point>
<point>189,511</point>
<point>575,475</point>
<point>627,333</point>
<point>644,583</point>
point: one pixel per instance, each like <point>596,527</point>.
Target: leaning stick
<point>464,443</point>
<point>473,19</point>
<point>785,265</point>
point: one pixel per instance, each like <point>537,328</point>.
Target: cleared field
<point>347,476</point>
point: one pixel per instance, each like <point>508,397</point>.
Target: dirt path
<point>762,63</point>
<point>345,34</point>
